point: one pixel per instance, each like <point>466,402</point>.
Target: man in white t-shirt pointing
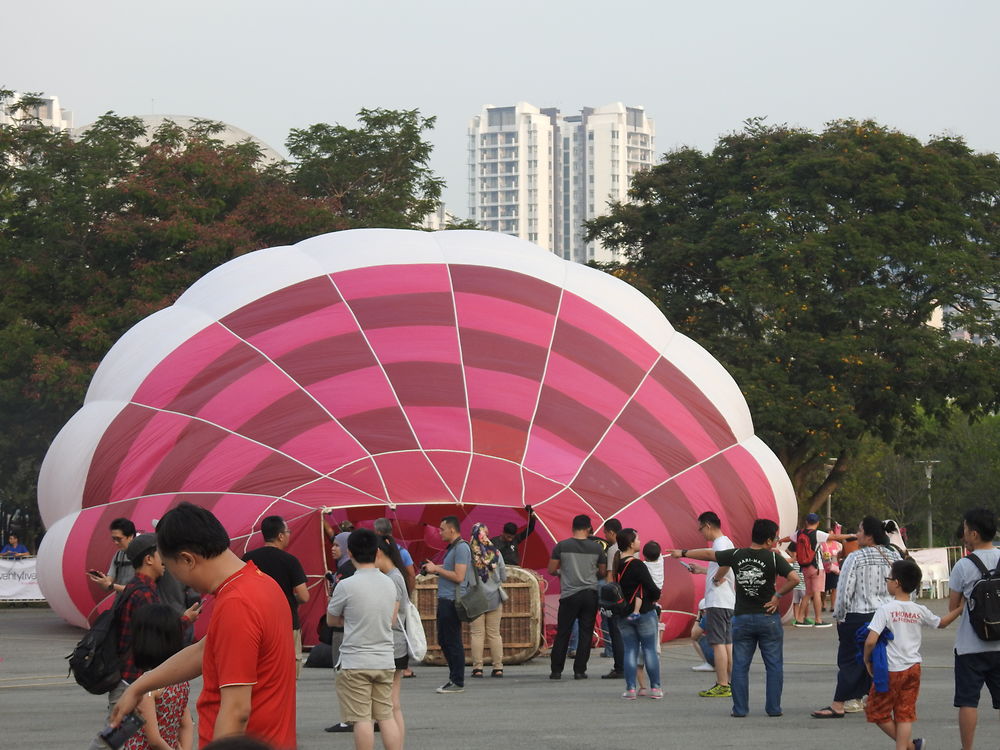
<point>720,599</point>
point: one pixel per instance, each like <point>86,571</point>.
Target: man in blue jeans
<point>451,583</point>
<point>756,622</point>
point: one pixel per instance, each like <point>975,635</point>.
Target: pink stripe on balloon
<point>390,280</point>
<point>325,447</point>
<point>676,416</point>
<point>240,400</point>
<point>552,456</point>
<point>493,482</point>
<point>222,468</point>
<point>165,383</point>
<point>409,478</point>
<point>441,427</point>
<point>694,399</point>
<point>354,392</point>
<point>415,344</point>
<point>591,318</point>
<point>584,386</point>
<point>334,320</point>
<point>145,454</point>
<point>326,492</point>
<point>501,391</point>
<point>452,467</point>
<point>538,488</point>
<point>508,319</point>
<point>631,459</point>
<point>362,474</point>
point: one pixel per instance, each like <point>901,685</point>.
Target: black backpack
<point>611,599</point>
<point>983,602</point>
<point>94,663</point>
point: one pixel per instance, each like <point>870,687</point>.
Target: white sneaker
<point>703,667</point>
<point>853,706</point>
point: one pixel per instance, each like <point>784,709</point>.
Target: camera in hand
<point>115,737</point>
<point>423,569</point>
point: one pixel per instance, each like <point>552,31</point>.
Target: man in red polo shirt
<point>246,657</point>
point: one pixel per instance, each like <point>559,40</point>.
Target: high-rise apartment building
<point>539,174</point>
<point>45,108</point>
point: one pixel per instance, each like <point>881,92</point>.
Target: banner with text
<point>19,581</point>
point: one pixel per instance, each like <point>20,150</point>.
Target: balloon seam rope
<point>395,395</point>
<point>465,387</point>
<point>541,381</point>
<point>304,390</point>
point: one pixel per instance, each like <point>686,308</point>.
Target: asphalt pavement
<point>41,707</point>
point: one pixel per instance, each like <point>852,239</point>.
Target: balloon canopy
<point>408,375</point>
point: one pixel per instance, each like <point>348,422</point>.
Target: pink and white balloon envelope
<point>409,375</point>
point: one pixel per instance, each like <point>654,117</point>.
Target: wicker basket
<point>520,626</point>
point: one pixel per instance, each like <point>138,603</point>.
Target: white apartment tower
<point>538,174</point>
<point>46,109</point>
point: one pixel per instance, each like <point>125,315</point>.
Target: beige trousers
<point>486,629</point>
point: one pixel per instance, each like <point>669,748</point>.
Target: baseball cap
<point>812,518</point>
<point>139,547</point>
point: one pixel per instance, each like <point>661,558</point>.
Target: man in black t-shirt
<point>284,568</point>
<point>507,541</point>
<point>756,621</point>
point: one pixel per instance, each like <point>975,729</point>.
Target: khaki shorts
<point>365,694</point>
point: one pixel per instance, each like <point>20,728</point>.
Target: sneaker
<point>806,624</point>
<point>451,687</point>
<point>703,667</point>
<point>657,694</point>
<point>853,706</point>
<point>341,727</point>
<point>613,675</point>
<point>555,676</point>
<point>919,743</point>
<point>809,621</point>
<point>640,693</point>
<point>717,691</point>
<point>629,695</point>
<point>823,624</point>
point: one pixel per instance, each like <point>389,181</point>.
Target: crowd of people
<point>250,656</point>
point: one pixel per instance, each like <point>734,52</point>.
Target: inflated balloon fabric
<point>410,375</point>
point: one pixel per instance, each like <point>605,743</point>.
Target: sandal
<point>827,713</point>
<point>477,673</point>
<point>496,673</point>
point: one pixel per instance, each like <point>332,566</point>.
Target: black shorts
<point>971,672</point>
<point>831,581</point>
<point>403,661</point>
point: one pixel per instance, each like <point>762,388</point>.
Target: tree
<point>810,265</point>
<point>378,173</point>
<point>101,231</point>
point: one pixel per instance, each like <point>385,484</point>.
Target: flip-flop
<point>818,714</point>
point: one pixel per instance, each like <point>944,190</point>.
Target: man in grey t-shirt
<point>977,662</point>
<point>452,582</point>
<point>579,562</point>
<point>365,605</point>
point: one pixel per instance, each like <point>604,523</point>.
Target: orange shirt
<point>248,643</point>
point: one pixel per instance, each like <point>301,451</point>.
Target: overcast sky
<point>699,68</point>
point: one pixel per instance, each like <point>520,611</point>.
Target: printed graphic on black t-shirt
<point>755,571</point>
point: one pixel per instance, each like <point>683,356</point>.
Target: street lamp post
<point>929,473</point>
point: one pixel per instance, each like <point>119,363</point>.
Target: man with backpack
<point>807,553</point>
<point>975,581</point>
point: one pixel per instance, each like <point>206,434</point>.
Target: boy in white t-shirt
<point>895,710</point>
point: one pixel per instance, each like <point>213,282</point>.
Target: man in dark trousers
<point>284,568</point>
<point>507,541</point>
<point>579,562</point>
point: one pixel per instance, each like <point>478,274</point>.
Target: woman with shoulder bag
<point>639,626</point>
<point>860,591</point>
<point>488,565</point>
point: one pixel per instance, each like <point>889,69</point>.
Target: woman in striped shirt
<point>860,591</point>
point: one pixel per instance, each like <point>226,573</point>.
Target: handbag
<point>413,631</point>
<point>473,602</point>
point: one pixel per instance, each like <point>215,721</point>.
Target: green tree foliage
<point>99,232</point>
<point>810,265</point>
<point>378,173</point>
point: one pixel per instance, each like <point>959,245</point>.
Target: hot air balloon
<point>409,375</point>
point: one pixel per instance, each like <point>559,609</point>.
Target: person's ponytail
<point>875,528</point>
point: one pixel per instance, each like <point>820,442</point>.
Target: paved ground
<point>39,706</point>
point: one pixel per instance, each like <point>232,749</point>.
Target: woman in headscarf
<point>860,591</point>
<point>488,566</point>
